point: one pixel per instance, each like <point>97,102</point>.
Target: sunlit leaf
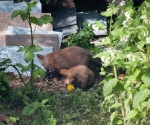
<point>109,85</point>
<point>28,56</point>
<point>140,97</point>
<point>131,114</point>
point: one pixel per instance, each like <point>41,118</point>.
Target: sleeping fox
<point>79,76</point>
<point>67,58</point>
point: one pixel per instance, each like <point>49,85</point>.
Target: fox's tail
<point>96,61</point>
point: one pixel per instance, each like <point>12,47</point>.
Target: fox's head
<point>43,61</point>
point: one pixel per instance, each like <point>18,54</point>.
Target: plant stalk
<point>123,112</point>
<point>32,62</point>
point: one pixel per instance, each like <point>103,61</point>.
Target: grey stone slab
<point>39,39</point>
<point>18,57</point>
<point>64,18</point>
<point>91,17</point>
<point>10,6</point>
<point>41,36</point>
<point>68,30</point>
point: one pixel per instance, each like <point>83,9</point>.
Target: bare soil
<point>55,86</point>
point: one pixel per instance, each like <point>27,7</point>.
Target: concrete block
<point>10,6</point>
<point>68,30</point>
<point>39,39</point>
<point>18,57</point>
<point>42,37</point>
<point>6,22</point>
<point>64,18</point>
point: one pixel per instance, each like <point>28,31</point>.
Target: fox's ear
<point>40,57</point>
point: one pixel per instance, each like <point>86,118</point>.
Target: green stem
<point>115,71</point>
<point>32,62</point>
<point>147,54</point>
<point>110,24</point>
<point>123,112</point>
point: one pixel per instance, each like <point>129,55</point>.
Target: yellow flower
<point>70,87</point>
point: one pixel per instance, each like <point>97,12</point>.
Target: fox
<point>80,76</point>
<point>4,119</point>
<point>67,58</point>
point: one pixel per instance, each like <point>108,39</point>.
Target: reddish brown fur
<point>79,74</point>
<point>67,58</point>
<point>4,118</point>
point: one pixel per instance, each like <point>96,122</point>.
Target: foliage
<point>127,47</point>
<point>30,50</point>
<point>76,107</point>
<point>26,95</point>
<point>4,81</point>
<point>83,38</point>
<point>43,117</point>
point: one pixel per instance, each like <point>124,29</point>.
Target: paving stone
<point>68,30</point>
<point>10,6</point>
<point>64,18</point>
<point>6,22</point>
<point>65,21</point>
<point>16,35</point>
<point>18,57</point>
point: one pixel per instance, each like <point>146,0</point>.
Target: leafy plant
<point>30,50</point>
<point>127,47</point>
<point>43,117</point>
<point>4,81</point>
<point>83,38</point>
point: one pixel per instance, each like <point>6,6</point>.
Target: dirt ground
<point>55,86</point>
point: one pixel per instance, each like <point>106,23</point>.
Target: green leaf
<point>109,85</point>
<point>117,32</point>
<point>24,15</point>
<point>23,49</point>
<point>131,114</point>
<point>105,54</point>
<point>31,4</point>
<point>113,115</point>
<point>35,74</point>
<point>41,72</point>
<point>147,4</point>
<point>2,87</point>
<point>35,49</point>
<point>44,20</point>
<point>119,22</point>
<point>140,97</point>
<point>119,87</point>
<point>116,105</point>
<point>30,109</point>
<point>5,79</point>
<point>109,97</point>
<point>137,21</point>
<point>146,79</point>
<point>26,68</point>
<point>27,111</point>
<point>107,14</point>
<point>19,65</point>
<point>28,56</point>
<point>44,101</point>
<point>33,20</point>
<point>100,25</point>
<point>16,13</point>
